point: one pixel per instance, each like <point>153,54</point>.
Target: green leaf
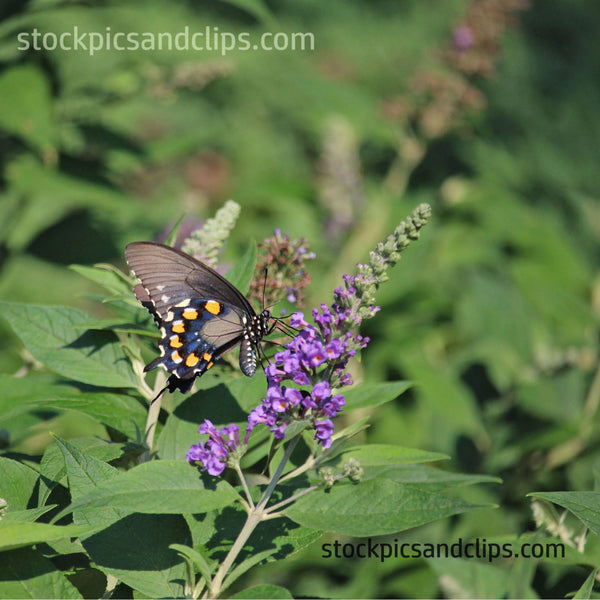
<point>257,9</point>
<point>218,403</point>
<point>27,516</point>
<point>470,578</point>
<point>197,559</point>
<point>585,591</point>
<point>142,557</point>
<point>116,324</point>
<point>266,590</point>
<point>374,394</point>
<point>53,468</point>
<point>160,486</point>
<point>137,551</point>
<point>220,529</point>
<point>246,565</point>
<point>172,237</point>
<point>545,397</point>
<point>27,110</point>
<point>48,332</point>
<point>374,507</point>
<point>22,395</point>
<point>247,392</point>
<point>584,505</point>
<point>15,534</point>
<point>25,573</point>
<point>426,477</point>
<point>384,454</point>
<point>107,276</point>
<point>85,474</point>
<point>49,187</point>
<point>17,482</point>
<point>240,275</point>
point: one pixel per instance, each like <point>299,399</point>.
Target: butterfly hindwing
<point>193,338</point>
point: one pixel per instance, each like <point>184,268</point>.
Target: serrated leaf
<point>159,487</point>
<point>16,483</point>
<point>22,395</point>
<point>16,534</point>
<point>48,332</point>
<point>137,551</point>
<point>85,473</point>
<point>27,516</point>
<point>141,557</point>
<point>53,469</point>
<point>584,505</point>
<point>25,573</point>
<point>374,507</point>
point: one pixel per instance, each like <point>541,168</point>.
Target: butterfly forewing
<point>170,276</point>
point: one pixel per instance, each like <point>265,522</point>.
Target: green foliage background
<point>493,313</point>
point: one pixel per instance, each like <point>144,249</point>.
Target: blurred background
<point>486,109</point>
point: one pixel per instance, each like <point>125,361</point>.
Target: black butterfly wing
<point>201,315</point>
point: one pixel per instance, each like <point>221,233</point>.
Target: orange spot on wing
<point>178,328</point>
<point>176,357</point>
<point>191,360</point>
<point>207,357</point>
<point>190,314</point>
<point>175,343</point>
<point>213,307</point>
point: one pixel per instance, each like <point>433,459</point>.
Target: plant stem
<point>150,429</point>
<point>271,510</point>
<point>240,473</point>
<point>255,516</point>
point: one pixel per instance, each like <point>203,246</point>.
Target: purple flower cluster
<point>301,379</point>
<point>314,360</point>
<point>215,452</point>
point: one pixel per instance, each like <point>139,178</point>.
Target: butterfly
<point>200,314</point>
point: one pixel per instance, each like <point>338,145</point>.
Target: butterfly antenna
<point>265,287</point>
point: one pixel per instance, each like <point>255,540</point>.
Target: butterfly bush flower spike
<point>206,243</point>
<point>284,261</point>
<point>304,378</point>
